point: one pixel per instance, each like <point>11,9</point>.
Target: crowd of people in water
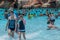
<point>17,23</point>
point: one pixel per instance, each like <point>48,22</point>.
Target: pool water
<point>36,29</point>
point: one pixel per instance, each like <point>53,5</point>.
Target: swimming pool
<point>35,28</point>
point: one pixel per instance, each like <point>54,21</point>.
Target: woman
<point>11,24</point>
<point>21,27</point>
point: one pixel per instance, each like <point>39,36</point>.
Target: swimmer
<point>21,27</point>
<point>52,18</point>
<point>11,24</point>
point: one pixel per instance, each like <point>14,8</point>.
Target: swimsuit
<point>21,26</point>
<point>11,25</point>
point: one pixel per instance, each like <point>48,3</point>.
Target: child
<point>11,24</point>
<point>21,27</point>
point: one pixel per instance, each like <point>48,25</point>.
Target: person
<point>13,3</point>
<point>11,24</point>
<point>6,14</point>
<point>46,3</point>
<point>21,27</point>
<point>58,3</point>
<point>30,16</point>
<point>34,3</point>
<point>52,3</point>
<point>52,19</point>
<point>2,3</point>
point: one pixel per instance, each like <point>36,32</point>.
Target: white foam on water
<point>32,35</point>
<point>3,37</point>
<point>28,36</point>
<point>6,37</point>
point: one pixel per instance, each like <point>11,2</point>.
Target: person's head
<point>21,17</point>
<point>11,12</point>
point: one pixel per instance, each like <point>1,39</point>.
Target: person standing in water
<point>11,24</point>
<point>21,27</point>
<point>51,22</point>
